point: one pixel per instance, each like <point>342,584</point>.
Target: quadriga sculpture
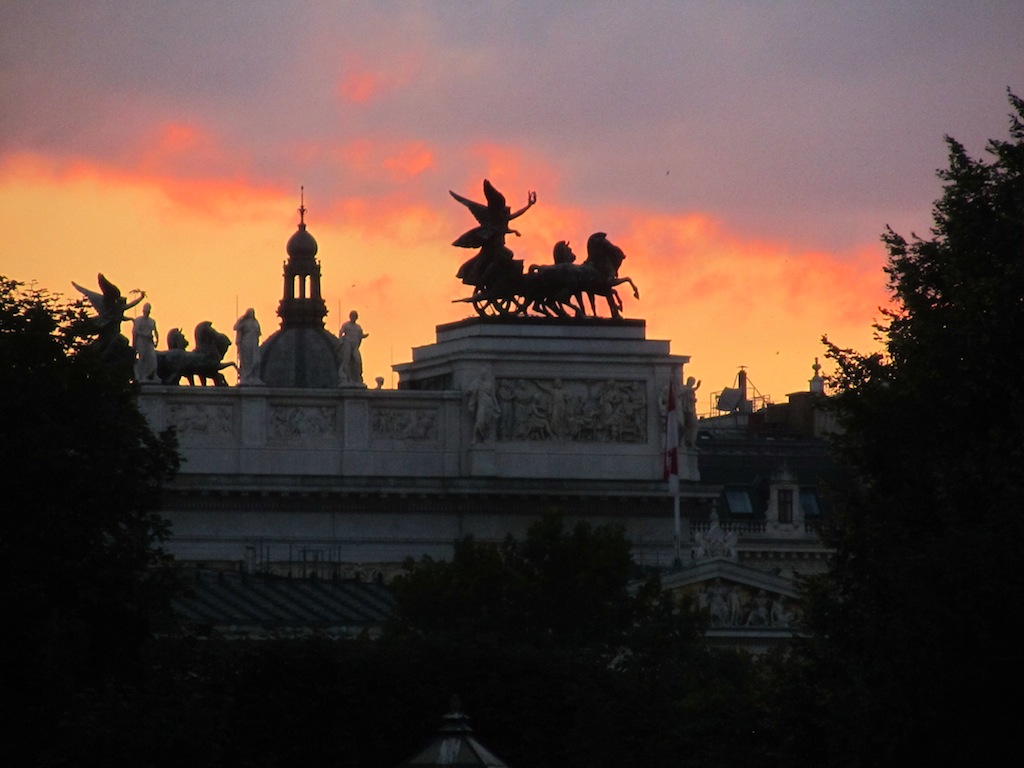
<point>501,286</point>
<point>204,363</point>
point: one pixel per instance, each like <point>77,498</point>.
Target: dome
<point>301,245</point>
<point>299,357</point>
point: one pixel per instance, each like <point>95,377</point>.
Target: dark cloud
<point>809,122</point>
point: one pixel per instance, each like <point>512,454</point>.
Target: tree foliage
<point>79,533</point>
<point>555,587</point>
<point>910,655</point>
<point>570,659</point>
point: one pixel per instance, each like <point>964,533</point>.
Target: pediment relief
<point>737,596</point>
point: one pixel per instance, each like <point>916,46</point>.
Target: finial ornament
<point>302,205</point>
<point>817,381</point>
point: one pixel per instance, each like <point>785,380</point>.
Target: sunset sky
<point>745,155</point>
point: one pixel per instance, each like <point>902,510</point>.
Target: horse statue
<point>205,362</point>
<point>550,289</point>
<point>599,274</point>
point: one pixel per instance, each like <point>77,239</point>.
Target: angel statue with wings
<point>110,307</point>
<point>494,259</point>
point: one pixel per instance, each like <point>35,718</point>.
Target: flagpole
<point>672,469</point>
<point>678,563</point>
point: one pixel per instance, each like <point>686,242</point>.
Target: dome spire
<point>301,303</point>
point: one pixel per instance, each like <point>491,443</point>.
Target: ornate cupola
<point>301,304</point>
<point>302,353</point>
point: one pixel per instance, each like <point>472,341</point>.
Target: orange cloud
<point>178,148</point>
<point>510,169</point>
<point>202,245</point>
<point>182,160</point>
<point>731,301</point>
<point>211,197</point>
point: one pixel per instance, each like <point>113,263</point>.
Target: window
<point>738,502</point>
<point>785,505</point>
<point>809,504</point>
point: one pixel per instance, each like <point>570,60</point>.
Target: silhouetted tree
<point>912,659</point>
<point>80,470</point>
<point>555,587</point>
<point>567,660</point>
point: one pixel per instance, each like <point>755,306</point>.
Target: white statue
<point>780,617</point>
<point>144,340</point>
<point>247,339</point>
<point>688,403</point>
<point>351,335</point>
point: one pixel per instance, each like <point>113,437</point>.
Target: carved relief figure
<point>247,338</point>
<point>483,406</point>
<point>718,608</point>
<point>735,600</point>
<point>558,409</point>
<point>404,423</point>
<point>537,426</point>
<point>609,404</point>
<point>207,420</point>
<point>759,616</point>
<point>144,340</point>
<point>301,424</point>
<point>522,402</point>
<point>780,617</point>
<point>507,424</point>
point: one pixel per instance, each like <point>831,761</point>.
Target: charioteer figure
<point>494,261</point>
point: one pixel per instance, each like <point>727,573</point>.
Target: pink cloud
<point>361,84</point>
<point>410,160</point>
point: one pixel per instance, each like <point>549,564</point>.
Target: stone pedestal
<point>557,398</point>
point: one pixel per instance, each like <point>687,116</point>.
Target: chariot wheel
<point>503,306</point>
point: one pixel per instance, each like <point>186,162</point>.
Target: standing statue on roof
<point>494,259</point>
<point>351,335</point>
<point>247,341</point>
<point>144,339</point>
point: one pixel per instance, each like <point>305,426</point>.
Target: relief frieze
<point>573,410</point>
<point>204,420</point>
<point>404,423</point>
<point>301,423</point>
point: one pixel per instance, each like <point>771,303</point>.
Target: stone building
<point>496,422</point>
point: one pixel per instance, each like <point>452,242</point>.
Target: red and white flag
<point>672,441</point>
